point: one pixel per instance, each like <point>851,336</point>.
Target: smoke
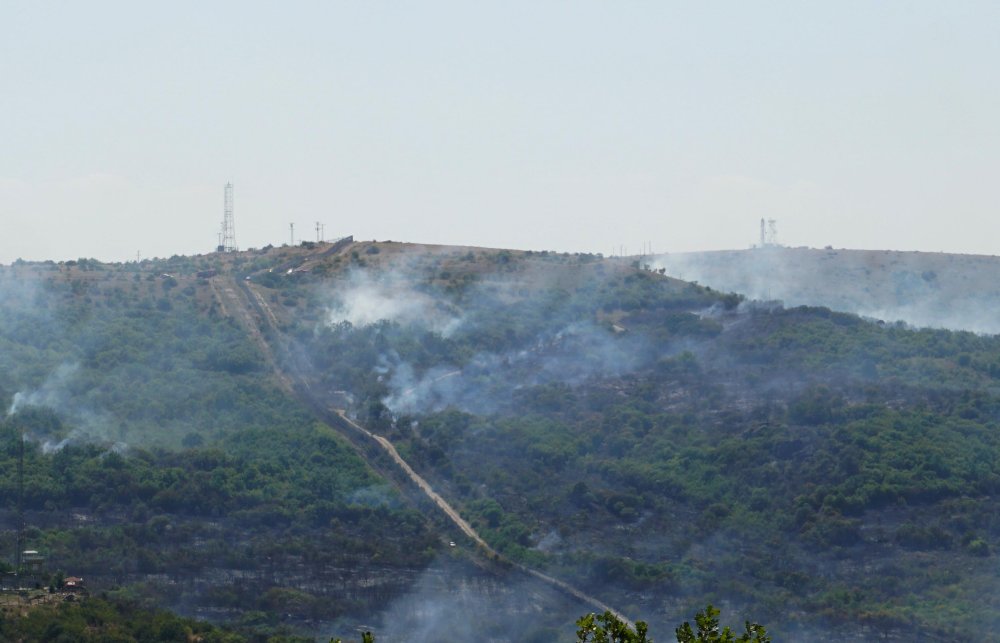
<point>50,446</point>
<point>373,496</point>
<point>572,355</point>
<point>956,292</point>
<point>367,298</point>
<point>524,313</point>
<point>25,319</point>
<point>413,392</point>
<point>52,393</point>
<point>453,600</point>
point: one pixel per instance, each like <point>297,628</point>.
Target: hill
<point>925,289</point>
<point>165,460</point>
<point>612,434</point>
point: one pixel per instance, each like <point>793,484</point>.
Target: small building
<point>72,583</point>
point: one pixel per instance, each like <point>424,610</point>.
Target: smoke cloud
<point>571,355</point>
<point>527,312</point>
<point>51,394</point>
<point>957,292</point>
<point>366,298</point>
<point>455,601</point>
<point>54,394</point>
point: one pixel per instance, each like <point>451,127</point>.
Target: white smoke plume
<point>52,392</point>
<point>455,601</point>
<point>366,298</point>
<point>485,384</point>
<point>956,292</point>
<point>55,394</point>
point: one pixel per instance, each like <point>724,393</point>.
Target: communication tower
<point>227,237</point>
<point>768,233</point>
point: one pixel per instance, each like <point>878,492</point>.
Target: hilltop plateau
<point>416,439</point>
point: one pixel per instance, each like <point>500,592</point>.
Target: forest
<point>660,444</point>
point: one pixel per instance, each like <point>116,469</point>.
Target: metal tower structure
<point>227,238</point>
<point>768,233</point>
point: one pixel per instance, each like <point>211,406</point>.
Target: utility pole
<point>19,557</point>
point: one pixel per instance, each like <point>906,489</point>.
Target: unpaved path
<point>251,310</point>
<point>424,485</point>
<point>234,305</point>
<point>467,528</point>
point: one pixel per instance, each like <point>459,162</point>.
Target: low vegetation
<point>650,440</point>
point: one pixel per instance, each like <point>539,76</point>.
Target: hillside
<point>615,435</point>
<point>165,462</point>
<point>924,289</point>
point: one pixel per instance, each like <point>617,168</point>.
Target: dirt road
<point>233,304</point>
<point>252,311</point>
<point>424,485</point>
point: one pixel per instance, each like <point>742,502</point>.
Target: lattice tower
<point>227,241</point>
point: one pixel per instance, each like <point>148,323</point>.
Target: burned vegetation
<point>648,441</point>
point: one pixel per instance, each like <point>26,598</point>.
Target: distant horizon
<point>491,247</point>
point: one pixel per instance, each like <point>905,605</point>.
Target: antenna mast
<point>768,233</point>
<point>227,238</point>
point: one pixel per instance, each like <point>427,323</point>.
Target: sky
<point>572,126</point>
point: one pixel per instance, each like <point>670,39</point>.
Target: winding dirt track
<point>251,309</point>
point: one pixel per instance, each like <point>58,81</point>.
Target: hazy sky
<point>546,125</point>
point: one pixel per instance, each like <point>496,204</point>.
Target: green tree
<point>608,628</point>
<point>366,637</point>
<point>709,632</point>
